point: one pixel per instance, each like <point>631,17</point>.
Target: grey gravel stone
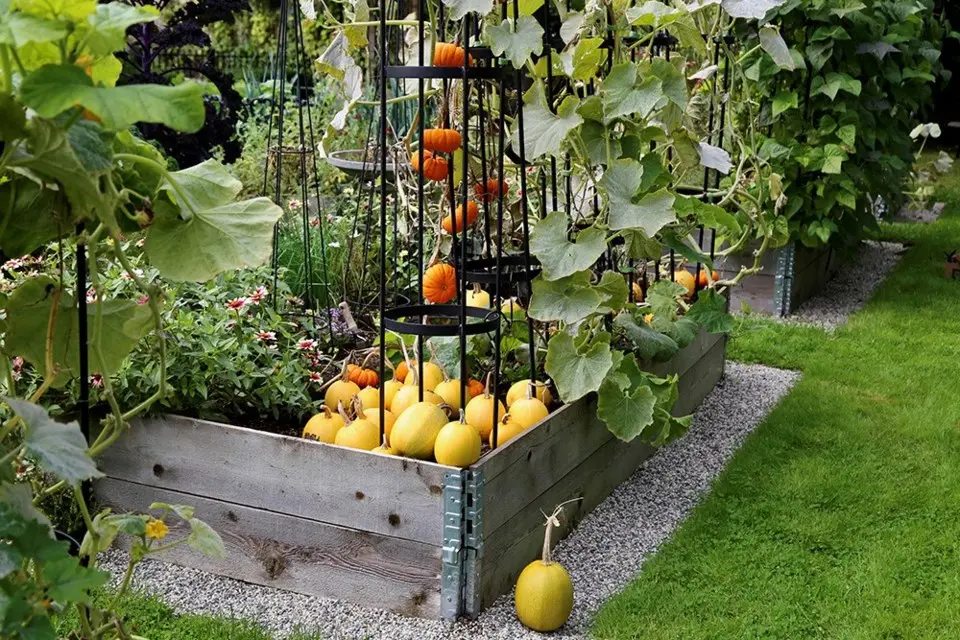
<point>925,216</point>
<point>850,289</point>
<point>603,554</point>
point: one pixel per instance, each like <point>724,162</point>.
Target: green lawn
<point>840,517</point>
<point>148,616</point>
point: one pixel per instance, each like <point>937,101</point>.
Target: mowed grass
<point>149,617</point>
<point>840,516</point>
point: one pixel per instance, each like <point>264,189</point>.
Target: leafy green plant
<point>926,169</point>
<point>71,174</point>
<point>840,100</point>
<point>630,131</point>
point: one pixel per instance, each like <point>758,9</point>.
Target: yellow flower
<point>157,530</point>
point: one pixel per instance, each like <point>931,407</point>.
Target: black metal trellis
<point>480,253</point>
<point>290,40</point>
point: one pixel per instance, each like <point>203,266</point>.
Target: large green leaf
<point>652,14</point>
<point>203,186</point>
<point>18,29</point>
<point>13,120</point>
<point>557,255</point>
<point>784,101</point>
<point>47,153</point>
<point>543,130</point>
<point>755,9</point>
<point>60,448</point>
<point>27,218</point>
<point>106,30</point>
<point>625,411</point>
<point>833,83</point>
<point>625,95</point>
<point>28,311</point>
<point>578,370</point>
<point>460,8</point>
<point>773,43</point>
<point>52,89</point>
<point>581,62</point>
<point>568,300</point>
<point>621,182</point>
<point>518,43</point>
<point>73,10</point>
<point>710,312</point>
<point>69,581</point>
<point>650,344</point>
<point>230,236</point>
<point>613,288</point>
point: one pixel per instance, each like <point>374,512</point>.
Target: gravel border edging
<point>851,288</point>
<point>603,554</point>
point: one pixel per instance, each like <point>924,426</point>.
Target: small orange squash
<point>434,168</point>
<point>473,212</point>
<point>445,140</point>
<point>362,376</point>
<point>492,190</point>
<point>474,388</point>
<point>450,55</point>
<point>702,281</point>
<point>440,283</point>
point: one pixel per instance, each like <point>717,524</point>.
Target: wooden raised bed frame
<point>417,538</point>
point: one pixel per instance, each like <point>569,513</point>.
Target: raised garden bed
<point>413,537</point>
<point>791,275</point>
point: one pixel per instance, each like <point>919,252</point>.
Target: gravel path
<point>925,216</point>
<point>603,555</point>
<point>851,288</point>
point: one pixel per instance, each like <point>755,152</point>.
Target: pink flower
<point>315,377</point>
<point>294,204</point>
<point>306,344</point>
<point>17,368</point>
<point>141,242</point>
<point>258,295</point>
<point>136,272</point>
<point>96,381</point>
<point>237,304</point>
<point>266,336</point>
<point>143,300</point>
<point>531,170</point>
<point>329,217</point>
<point>315,222</point>
<point>13,264</point>
<point>91,295</point>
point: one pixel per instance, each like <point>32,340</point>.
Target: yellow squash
<point>415,431</point>
<point>544,593</point>
<point>457,445</point>
<point>323,426</point>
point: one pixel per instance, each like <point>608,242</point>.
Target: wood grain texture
<point>519,540</point>
<point>299,555</point>
<point>392,496</point>
<point>518,478</point>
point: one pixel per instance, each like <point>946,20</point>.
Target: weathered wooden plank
<point>518,541</point>
<point>335,485</point>
<point>514,476</point>
<point>294,554</point>
<point>697,383</point>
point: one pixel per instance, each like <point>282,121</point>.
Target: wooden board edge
<point>290,553</point>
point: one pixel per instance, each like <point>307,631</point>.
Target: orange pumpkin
<point>440,283</point>
<point>434,168</point>
<point>473,212</point>
<point>363,377</point>
<point>702,278</point>
<point>474,388</point>
<point>450,55</point>
<point>492,190</point>
<point>445,140</point>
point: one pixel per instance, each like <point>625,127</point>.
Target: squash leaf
<point>557,255</point>
<point>568,300</point>
<point>621,182</point>
<point>519,43</point>
<point>578,369</point>
<point>543,130</point>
